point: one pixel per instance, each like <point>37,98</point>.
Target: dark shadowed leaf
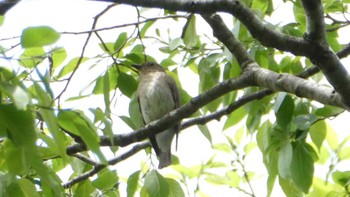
<point>127,84</point>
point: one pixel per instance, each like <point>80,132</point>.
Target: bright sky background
<point>75,16</point>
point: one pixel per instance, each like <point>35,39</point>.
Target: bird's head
<point>148,67</point>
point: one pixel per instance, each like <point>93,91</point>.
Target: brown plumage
<point>158,95</point>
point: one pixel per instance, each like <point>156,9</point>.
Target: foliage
<point>293,135</point>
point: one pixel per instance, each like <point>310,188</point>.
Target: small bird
<point>157,95</point>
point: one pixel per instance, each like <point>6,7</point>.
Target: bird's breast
<point>155,96</point>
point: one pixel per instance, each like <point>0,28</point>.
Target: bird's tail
<point>164,159</point>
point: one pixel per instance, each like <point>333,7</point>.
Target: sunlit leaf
<point>190,36</point>
<point>72,65</point>
<point>235,117</point>
<point>31,57</point>
<point>318,133</point>
<point>133,183</point>
<point>341,178</point>
<point>107,179</point>
<point>120,42</point>
<point>205,131</point>
<point>78,124</point>
<point>58,56</point>
<point>107,47</point>
<point>38,36</point>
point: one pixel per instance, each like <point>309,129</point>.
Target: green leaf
<point>127,84</point>
<point>328,111</point>
<point>318,133</point>
<point>2,18</point>
<point>58,56</point>
<point>321,187</point>
<point>133,181</point>
<point>235,117</point>
<point>78,124</point>
<point>72,65</point>
<point>284,109</point>
<point>344,153</point>
<point>175,189</point>
<point>332,138</point>
<point>156,185</point>
<point>120,42</point>
<point>302,168</point>
<point>135,113</point>
<point>28,188</point>
<point>31,57</point>
<point>342,178</point>
<point>100,81</point>
<point>49,117</point>
<point>175,43</point>
<point>21,150</point>
<point>17,94</point>
<point>38,36</point>
<point>205,131</point>
<point>146,27</point>
<point>304,121</point>
<point>83,189</point>
<point>222,147</point>
<point>253,121</point>
<point>19,125</point>
<point>107,47</point>
<point>190,33</point>
<point>285,157</point>
<point>289,188</point>
<point>107,179</point>
<point>238,135</point>
<point>249,147</point>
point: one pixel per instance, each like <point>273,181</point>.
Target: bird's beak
<point>137,66</point>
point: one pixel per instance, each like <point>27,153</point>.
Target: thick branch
<point>315,22</point>
<point>226,36</point>
<point>7,5</point>
<point>334,73</point>
<point>295,85</point>
<point>324,58</point>
<point>257,28</point>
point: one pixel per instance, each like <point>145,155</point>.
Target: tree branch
<point>171,118</point>
<point>7,5</point>
<point>257,28</point>
<point>322,56</point>
<point>327,61</point>
<point>279,82</point>
<point>315,22</point>
<point>226,110</point>
<point>98,167</point>
<point>253,75</point>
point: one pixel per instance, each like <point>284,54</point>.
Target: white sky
<point>77,16</point>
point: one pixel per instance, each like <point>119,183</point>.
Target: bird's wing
<point>176,96</point>
<point>153,138</point>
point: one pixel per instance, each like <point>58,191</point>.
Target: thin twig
<point>98,166</point>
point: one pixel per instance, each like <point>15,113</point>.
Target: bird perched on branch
<point>157,95</point>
